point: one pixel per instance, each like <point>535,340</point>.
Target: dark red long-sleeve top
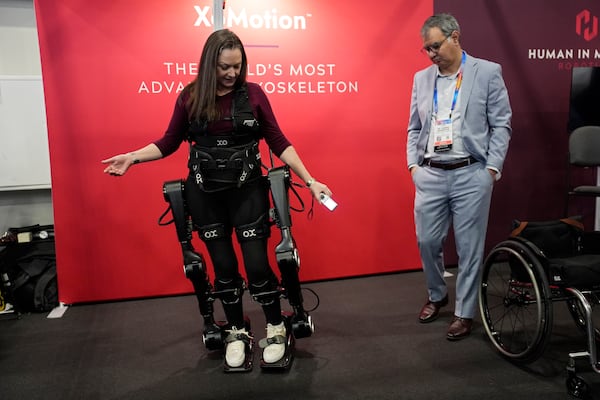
<point>269,128</point>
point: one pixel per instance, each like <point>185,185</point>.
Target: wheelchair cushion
<point>581,271</point>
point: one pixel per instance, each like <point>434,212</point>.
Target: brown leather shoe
<point>431,309</point>
<point>460,328</point>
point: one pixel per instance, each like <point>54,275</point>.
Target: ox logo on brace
<point>586,25</point>
<point>210,234</point>
<point>248,233</point>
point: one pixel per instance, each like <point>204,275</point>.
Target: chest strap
<point>223,141</point>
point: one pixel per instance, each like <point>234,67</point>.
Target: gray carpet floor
<point>367,345</point>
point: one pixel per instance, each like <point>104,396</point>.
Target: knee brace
<point>229,290</point>
<point>265,292</point>
<point>257,230</point>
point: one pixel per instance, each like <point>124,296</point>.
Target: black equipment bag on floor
<point>29,262</point>
<point>572,255</point>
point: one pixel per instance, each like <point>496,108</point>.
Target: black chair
<point>584,152</point>
<point>539,264</point>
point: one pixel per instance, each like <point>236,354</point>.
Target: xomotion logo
<point>265,19</point>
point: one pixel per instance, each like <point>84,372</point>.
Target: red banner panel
<point>338,75</point>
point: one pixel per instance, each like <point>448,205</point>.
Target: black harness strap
<point>224,165</point>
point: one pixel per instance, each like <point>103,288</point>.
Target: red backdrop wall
<point>338,76</point>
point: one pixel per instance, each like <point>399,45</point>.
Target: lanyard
<point>456,89</point>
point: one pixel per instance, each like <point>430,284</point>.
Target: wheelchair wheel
<point>514,301</point>
<point>578,313</point>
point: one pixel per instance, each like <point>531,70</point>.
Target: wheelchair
<point>539,264</point>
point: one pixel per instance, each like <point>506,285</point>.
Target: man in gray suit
<point>458,134</point>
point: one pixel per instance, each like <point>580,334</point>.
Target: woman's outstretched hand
<point>118,165</point>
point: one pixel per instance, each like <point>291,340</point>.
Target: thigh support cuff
<point>212,232</point>
<point>257,230</point>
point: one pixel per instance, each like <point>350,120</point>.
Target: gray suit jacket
<point>484,106</point>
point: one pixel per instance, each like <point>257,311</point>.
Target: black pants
<point>235,207</point>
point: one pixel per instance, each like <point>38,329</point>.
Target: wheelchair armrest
<point>591,242</point>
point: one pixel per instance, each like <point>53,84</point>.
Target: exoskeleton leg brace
<point>194,265</point>
<point>288,259</point>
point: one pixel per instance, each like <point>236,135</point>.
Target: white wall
<point>20,55</point>
<point>19,50</point>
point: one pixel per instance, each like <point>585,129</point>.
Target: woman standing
<point>224,117</point>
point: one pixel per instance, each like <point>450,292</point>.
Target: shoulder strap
<point>520,227</point>
<point>573,222</point>
<point>523,224</point>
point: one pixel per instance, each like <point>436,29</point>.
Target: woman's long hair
<point>203,90</point>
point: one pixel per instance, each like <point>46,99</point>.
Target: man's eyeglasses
<point>434,47</point>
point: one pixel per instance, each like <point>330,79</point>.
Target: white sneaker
<point>235,347</point>
<point>274,351</point>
